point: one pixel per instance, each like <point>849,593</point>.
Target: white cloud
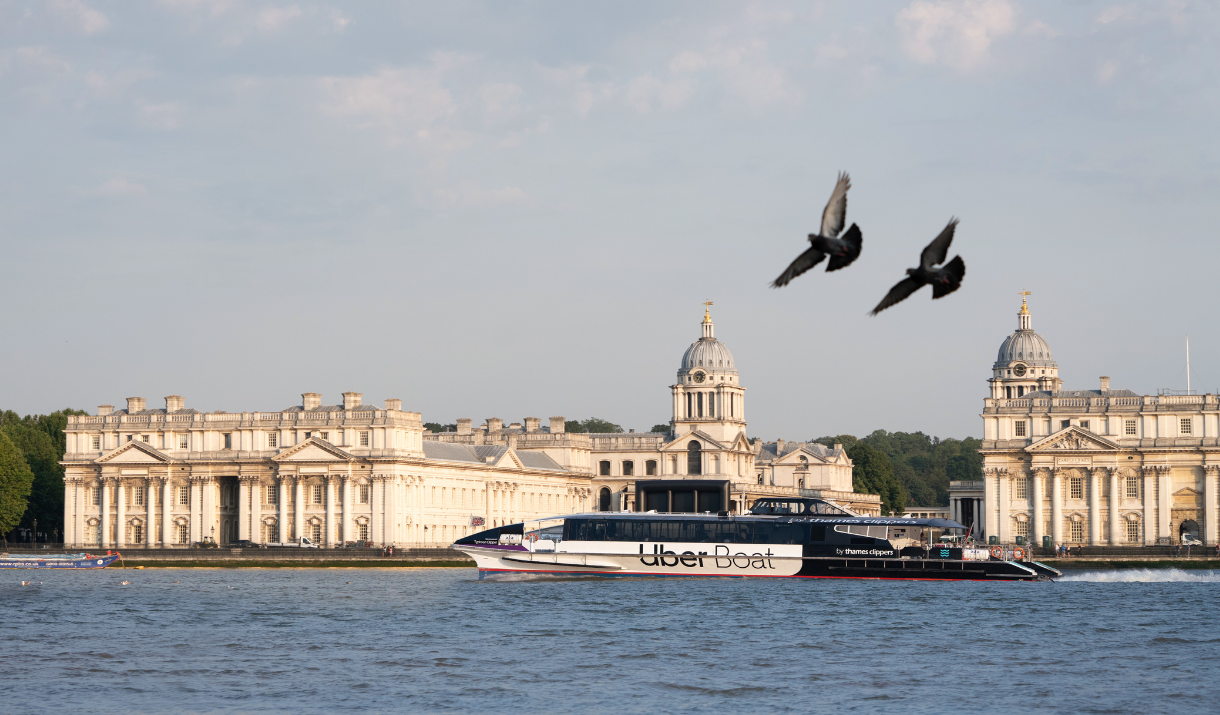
<point>1039,28</point>
<point>339,20</point>
<point>646,92</point>
<point>407,104</point>
<point>273,18</point>
<point>117,187</point>
<point>955,33</point>
<point>471,195</point>
<point>1106,72</point>
<point>83,17</point>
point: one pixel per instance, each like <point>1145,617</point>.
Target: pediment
<point>509,460</point>
<point>134,452</point>
<point>680,444</point>
<point>1073,439</point>
<point>1187,492</point>
<point>314,450</point>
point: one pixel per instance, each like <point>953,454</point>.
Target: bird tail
<point>952,273</point>
<point>854,240</point>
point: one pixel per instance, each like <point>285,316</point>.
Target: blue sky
<point>516,209</point>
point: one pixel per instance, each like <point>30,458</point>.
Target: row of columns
<point>1155,506</point>
<point>977,513</point>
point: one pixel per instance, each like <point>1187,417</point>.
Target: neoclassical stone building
<point>1090,467</point>
<point>358,472</point>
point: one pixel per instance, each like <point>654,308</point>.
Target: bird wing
<point>950,278</point>
<point>850,244</point>
<point>900,292</point>
<point>835,213</point>
<point>803,262</point>
<point>936,251</point>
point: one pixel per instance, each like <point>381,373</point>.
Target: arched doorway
<point>694,458</point>
<point>603,499</point>
<point>1189,528</point>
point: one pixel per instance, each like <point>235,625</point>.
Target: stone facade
<point>1098,467</point>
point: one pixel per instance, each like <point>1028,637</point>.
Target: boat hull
<point>764,563</point>
<point>34,562</point>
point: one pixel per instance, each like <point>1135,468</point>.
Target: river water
<point>439,640</point>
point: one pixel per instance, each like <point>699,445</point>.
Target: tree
<point>438,427</point>
<point>660,428</point>
<point>871,473</point>
<point>593,424</point>
<point>15,482</point>
<point>41,441</point>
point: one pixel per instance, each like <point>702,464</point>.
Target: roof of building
<point>159,411</point>
<point>480,453</point>
<point>329,408</point>
<point>1026,346</point>
<point>770,452</point>
<point>709,354</point>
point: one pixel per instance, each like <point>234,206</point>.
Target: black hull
<point>918,569</point>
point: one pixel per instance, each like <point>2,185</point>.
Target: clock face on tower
<point>1018,370</point>
<point>698,377</point>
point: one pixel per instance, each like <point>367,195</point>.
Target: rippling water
<point>438,640</point>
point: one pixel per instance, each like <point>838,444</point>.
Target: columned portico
<point>243,510</point>
<point>330,535</point>
<point>298,509</point>
<point>281,523</point>
<point>375,523</point>
<point>1149,514</point>
<point>167,513</point>
<point>1035,511</point>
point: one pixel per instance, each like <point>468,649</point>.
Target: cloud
<point>1106,72</point>
<point>646,92</point>
<point>164,116</point>
<point>339,20</point>
<point>955,33</point>
<point>409,105</point>
<point>83,17</point>
<point>273,18</point>
<point>117,187</point>
<point>1114,13</point>
<point>471,195</point>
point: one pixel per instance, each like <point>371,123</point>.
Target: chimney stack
<point>103,410</point>
<point>779,446</point>
<point>1105,383</point>
<point>173,403</point>
<point>311,400</point>
<point>532,424</point>
<point>351,400</point>
<point>134,405</point>
<point>558,425</point>
<point>494,424</point>
<point>393,403</point>
<point>463,425</point>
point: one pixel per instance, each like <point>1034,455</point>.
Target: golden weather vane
<point>1024,293</point>
<point>707,313</point>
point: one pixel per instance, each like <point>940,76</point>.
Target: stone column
<point>330,512</point>
<point>167,511</point>
<point>376,502</point>
<point>1149,516</point>
<point>345,519</point>
<point>106,512</point>
<point>419,508</point>
<point>1164,503</point>
<point>281,523</point>
<point>120,514</point>
<point>243,510</point>
<point>298,510</point>
<point>1035,512</point>
<point>1116,499</point>
<point>256,509</point>
<point>69,510</point>
<point>194,530</point>
<point>991,498</point>
<point>1210,475</point>
<point>1095,477</point>
<point>150,521</point>
<point>1056,506</point>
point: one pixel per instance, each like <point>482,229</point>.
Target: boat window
<point>875,532</point>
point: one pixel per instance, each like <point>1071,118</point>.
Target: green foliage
<point>925,465</point>
<point>660,428</point>
<point>438,427</point>
<point>40,439</point>
<point>15,482</point>
<point>593,424</point>
<point>871,472</point>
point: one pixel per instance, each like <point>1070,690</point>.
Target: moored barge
<point>57,561</point>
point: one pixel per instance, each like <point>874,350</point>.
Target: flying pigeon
<point>842,250</point>
<point>944,280</point>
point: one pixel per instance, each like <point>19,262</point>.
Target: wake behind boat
<point>57,561</point>
<point>779,537</point>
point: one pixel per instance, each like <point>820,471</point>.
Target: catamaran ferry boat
<point>57,561</point>
<point>779,537</point>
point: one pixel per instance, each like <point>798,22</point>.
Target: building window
<point>365,491</point>
<point>317,533</point>
<point>1023,529</point>
<point>137,496</point>
<point>603,468</point>
<point>1130,427</point>
<point>760,479</point>
<point>1186,425</point>
<point>1019,428</point>
<point>694,458</point>
<point>650,468</point>
<point>1133,487</point>
<point>1064,424</point>
<point>1022,486</point>
<point>364,531</point>
<point>1076,488</point>
<point>272,438</point>
<point>1133,532</point>
<point>129,437</point>
<point>184,496</point>
<point>1084,424</point>
<point>96,441</point>
<point>628,469</point>
<point>137,533</point>
<point>1077,531</point>
<point>317,494</point>
<point>228,440</point>
<point>97,496</point>
<point>325,436</point>
<point>364,439</point>
<point>273,495</point>
<point>184,441</point>
<point>182,534</point>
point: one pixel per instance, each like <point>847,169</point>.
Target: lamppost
<point>213,534</point>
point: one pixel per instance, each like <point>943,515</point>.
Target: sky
<point>517,209</point>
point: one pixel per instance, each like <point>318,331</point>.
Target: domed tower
<point>1024,364</point>
<point>708,395</point>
